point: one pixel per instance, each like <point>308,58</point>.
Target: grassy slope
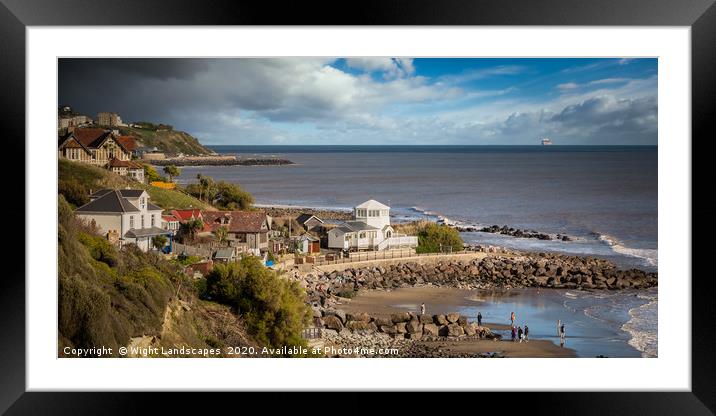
<point>107,296</point>
<point>172,141</point>
<point>94,178</point>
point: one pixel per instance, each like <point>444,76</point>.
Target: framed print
<point>471,200</point>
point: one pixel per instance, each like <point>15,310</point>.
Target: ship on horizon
<point>546,142</point>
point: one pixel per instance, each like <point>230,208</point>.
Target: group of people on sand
<point>519,334</point>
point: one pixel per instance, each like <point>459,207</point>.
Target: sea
<point>603,197</point>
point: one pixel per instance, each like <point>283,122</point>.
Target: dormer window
<point>143,202</point>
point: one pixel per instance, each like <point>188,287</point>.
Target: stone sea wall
<point>544,270</point>
<point>403,325</point>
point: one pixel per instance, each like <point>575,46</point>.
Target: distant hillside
<point>77,180</point>
<point>170,141</point>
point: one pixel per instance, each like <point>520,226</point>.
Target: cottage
<point>246,230</point>
<point>225,255</point>
<point>369,230</point>
<point>170,223</point>
<point>309,221</point>
<point>127,168</point>
<point>125,216</point>
<point>307,244</point>
<point>94,146</point>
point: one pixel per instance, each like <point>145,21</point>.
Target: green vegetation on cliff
<point>109,296</point>
<point>273,308</point>
<point>166,139</point>
<point>77,180</point>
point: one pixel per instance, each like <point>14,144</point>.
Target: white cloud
<point>567,86</point>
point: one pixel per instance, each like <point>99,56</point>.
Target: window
<point>142,202</point>
<point>360,212</point>
<point>362,235</point>
<point>131,221</point>
<point>142,221</point>
<point>152,220</point>
<point>348,237</point>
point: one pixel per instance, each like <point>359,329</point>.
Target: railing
<point>398,241</point>
<point>311,333</point>
<point>387,255</point>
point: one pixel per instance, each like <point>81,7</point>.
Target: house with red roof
<point>247,231</point>
<point>127,168</point>
<point>94,146</point>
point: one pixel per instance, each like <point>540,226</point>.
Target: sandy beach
<point>440,300</point>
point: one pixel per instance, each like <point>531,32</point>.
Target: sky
<point>375,100</point>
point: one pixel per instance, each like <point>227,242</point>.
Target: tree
<point>151,174</point>
<point>230,196</point>
<point>172,171</point>
<point>192,226</point>
<point>274,309</point>
<point>206,185</point>
<point>433,238</point>
<point>159,241</point>
<point>221,234</point>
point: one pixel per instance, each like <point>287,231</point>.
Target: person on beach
<point>561,332</point>
<point>422,308</point>
<point>519,333</point>
<point>527,333</point>
<point>559,325</point>
<point>512,318</point>
<point>514,333</point>
<point>479,319</point>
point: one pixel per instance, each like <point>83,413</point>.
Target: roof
<point>239,221</point>
<point>224,253</point>
<point>90,137</point>
<point>308,237</point>
<point>111,201</point>
<point>372,204</point>
<point>128,142</point>
<point>186,214</point>
<point>116,163</point>
<point>169,218</point>
<point>359,226</point>
<point>153,207</point>
<point>305,217</point>
<point>146,232</point>
<point>125,193</point>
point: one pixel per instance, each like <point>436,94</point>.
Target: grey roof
<point>126,193</point>
<point>359,226</point>
<point>224,253</point>
<point>305,217</point>
<point>109,202</point>
<point>153,207</point>
<point>334,222</point>
<point>146,232</point>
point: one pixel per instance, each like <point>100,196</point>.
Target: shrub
<point>432,237</point>
<point>231,197</point>
<point>274,309</point>
<point>74,192</point>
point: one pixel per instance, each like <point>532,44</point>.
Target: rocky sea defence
<point>544,270</point>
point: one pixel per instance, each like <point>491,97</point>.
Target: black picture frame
<point>700,15</point>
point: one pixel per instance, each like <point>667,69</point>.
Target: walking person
<point>527,333</point>
<point>519,333</point>
<point>422,308</point>
<point>512,318</point>
<point>479,319</point>
<point>514,333</point>
<point>559,326</point>
<point>561,333</point>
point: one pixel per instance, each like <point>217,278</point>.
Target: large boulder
<point>455,330</point>
<point>400,327</point>
<point>333,322</point>
<point>425,319</point>
<point>440,320</point>
<point>462,321</point>
<point>389,329</point>
<point>414,327</point>
<point>453,317</point>
<point>400,317</point>
<point>443,331</point>
<point>470,329</point>
<point>430,330</point>
<point>362,317</point>
<point>361,326</point>
<point>382,321</point>
<point>337,313</point>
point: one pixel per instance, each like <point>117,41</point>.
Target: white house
<point>125,215</point>
<point>369,230</point>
